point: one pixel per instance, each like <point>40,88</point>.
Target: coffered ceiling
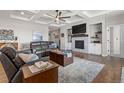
<point>41,17</point>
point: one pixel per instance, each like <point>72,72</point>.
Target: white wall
<point>23,30</point>
<point>122,41</point>
<point>113,20</point>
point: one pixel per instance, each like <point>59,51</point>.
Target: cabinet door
<point>91,48</point>
<point>97,49</point>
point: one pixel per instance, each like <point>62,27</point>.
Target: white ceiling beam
<point>40,22</point>
<point>19,18</point>
<point>35,15</point>
<point>79,13</point>
<point>57,25</point>
<point>34,11</point>
<point>105,12</point>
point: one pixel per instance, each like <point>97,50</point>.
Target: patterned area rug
<point>122,75</point>
<point>81,71</point>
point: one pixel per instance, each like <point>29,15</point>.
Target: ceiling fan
<point>58,17</point>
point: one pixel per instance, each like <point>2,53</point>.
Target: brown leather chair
<point>12,64</point>
<point>13,72</point>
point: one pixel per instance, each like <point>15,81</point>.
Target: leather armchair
<point>12,64</point>
<point>13,73</point>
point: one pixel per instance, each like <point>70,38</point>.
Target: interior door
<point>115,41</point>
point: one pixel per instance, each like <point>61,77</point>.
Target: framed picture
<point>6,34</point>
<point>37,36</point>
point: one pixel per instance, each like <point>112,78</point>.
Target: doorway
<point>54,35</point>
<point>115,41</point>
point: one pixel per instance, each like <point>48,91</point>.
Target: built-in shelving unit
<point>95,37</point>
<point>96,33</point>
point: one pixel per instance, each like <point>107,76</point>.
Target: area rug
<point>122,75</point>
<point>80,71</point>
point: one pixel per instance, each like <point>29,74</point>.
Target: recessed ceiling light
<point>22,13</point>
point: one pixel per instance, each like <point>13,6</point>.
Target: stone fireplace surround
<point>85,50</point>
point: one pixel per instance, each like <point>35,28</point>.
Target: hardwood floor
<point>3,77</point>
<point>111,73</point>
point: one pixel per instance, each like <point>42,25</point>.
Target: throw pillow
<point>28,57</point>
<point>18,62</point>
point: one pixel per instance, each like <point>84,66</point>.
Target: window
<point>37,36</point>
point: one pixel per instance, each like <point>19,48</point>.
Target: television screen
<point>78,29</point>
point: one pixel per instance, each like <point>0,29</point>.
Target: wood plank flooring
<point>111,73</point>
<point>3,77</point>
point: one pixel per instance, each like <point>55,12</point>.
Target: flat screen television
<point>79,29</point>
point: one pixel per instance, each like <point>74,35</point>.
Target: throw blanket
<point>28,57</point>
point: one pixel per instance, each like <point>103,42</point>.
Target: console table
<point>49,75</point>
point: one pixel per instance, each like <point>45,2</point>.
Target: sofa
<point>13,73</point>
<point>12,64</point>
<point>42,48</point>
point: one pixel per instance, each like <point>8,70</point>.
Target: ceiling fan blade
<point>66,17</point>
<point>65,21</point>
<point>49,15</point>
<point>60,13</point>
<point>62,20</point>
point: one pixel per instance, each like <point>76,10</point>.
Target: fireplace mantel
<point>80,35</point>
<point>85,49</point>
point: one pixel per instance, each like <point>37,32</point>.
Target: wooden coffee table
<point>60,58</point>
<point>49,75</point>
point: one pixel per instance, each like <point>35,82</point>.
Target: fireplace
<point>79,44</point>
